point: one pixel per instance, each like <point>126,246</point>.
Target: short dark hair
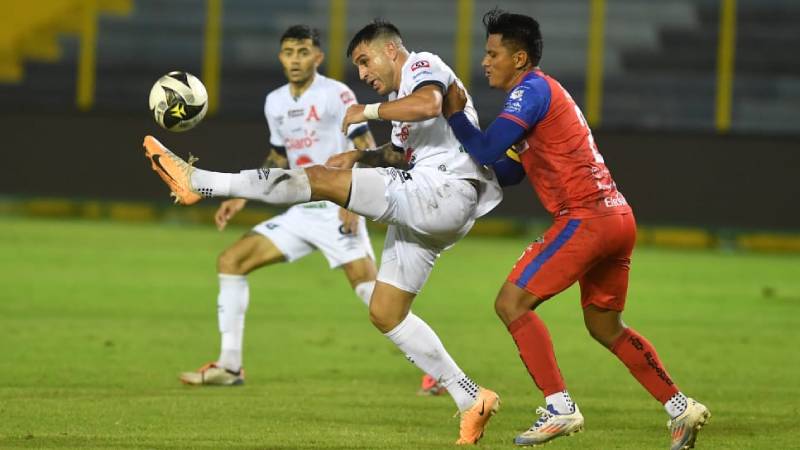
<point>378,28</point>
<point>301,32</point>
<point>520,31</point>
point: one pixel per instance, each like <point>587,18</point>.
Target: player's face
<point>300,59</point>
<point>498,64</point>
<point>374,63</point>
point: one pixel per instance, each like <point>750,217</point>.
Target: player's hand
<point>354,114</point>
<point>344,160</point>
<point>349,221</point>
<point>227,210</point>
<point>454,101</point>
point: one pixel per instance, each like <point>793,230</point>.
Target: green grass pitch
<point>97,319</point>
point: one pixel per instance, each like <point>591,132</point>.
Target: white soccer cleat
<point>213,375</point>
<point>685,427</point>
<point>549,426</point>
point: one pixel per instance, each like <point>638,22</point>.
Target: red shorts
<point>595,252</point>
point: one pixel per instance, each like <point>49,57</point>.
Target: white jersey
<point>309,127</point>
<point>431,143</point>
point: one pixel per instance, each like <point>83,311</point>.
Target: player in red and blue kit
<point>542,134</point>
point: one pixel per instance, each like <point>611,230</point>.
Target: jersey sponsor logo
<point>420,64</point>
<point>295,112</point>
<point>312,114</point>
<point>517,93</point>
<point>302,160</point>
<point>302,142</point>
<point>613,202</point>
<point>347,97</point>
<point>403,133</point>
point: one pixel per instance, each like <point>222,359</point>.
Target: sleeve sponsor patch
<point>515,100</point>
<point>420,64</point>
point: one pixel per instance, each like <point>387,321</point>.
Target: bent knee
<point>383,321</point>
<point>605,336</point>
<point>512,302</point>
<point>229,262</point>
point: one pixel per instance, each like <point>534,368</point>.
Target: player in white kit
<point>430,197</point>
<point>304,118</point>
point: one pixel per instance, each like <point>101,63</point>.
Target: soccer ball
<point>178,101</point>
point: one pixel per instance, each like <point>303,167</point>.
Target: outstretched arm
<point>485,148</point>
<point>423,104</point>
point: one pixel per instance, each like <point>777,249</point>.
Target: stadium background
<point>107,289</point>
<point>694,103</point>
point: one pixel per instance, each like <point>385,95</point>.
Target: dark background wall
<point>669,178</point>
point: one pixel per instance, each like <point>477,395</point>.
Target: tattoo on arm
<point>384,156</point>
<point>364,141</point>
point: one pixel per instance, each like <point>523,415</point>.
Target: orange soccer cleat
<point>173,170</point>
<point>430,386</point>
<point>213,375</point>
<point>474,420</point>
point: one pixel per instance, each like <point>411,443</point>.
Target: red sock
<point>640,357</point>
<point>536,351</point>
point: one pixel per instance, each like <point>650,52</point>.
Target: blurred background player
<point>304,117</point>
<point>590,241</point>
<point>428,207</point>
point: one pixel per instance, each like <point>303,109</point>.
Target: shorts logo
<point>420,65</point>
<point>400,174</point>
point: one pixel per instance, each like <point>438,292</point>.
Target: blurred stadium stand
<point>658,111</point>
<point>660,57</point>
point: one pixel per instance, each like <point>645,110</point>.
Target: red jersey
<point>558,152</point>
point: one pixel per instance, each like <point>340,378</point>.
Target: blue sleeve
<point>491,146</point>
<point>508,171</point>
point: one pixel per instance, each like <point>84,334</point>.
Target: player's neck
<point>297,89</point>
<point>518,76</point>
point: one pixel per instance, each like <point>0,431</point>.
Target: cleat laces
<point>544,416</point>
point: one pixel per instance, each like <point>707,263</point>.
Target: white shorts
<point>316,225</point>
<point>427,213</point>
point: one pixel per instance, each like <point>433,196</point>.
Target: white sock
<point>676,405</point>
<point>272,186</point>
<point>423,348</point>
<point>234,296</point>
<point>364,291</point>
<point>561,402</point>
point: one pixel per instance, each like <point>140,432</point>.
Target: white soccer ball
<point>178,101</point>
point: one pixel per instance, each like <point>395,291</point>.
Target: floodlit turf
<point>97,319</point>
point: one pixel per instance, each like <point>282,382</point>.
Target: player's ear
<point>391,49</point>
<point>520,59</point>
<point>319,57</point>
